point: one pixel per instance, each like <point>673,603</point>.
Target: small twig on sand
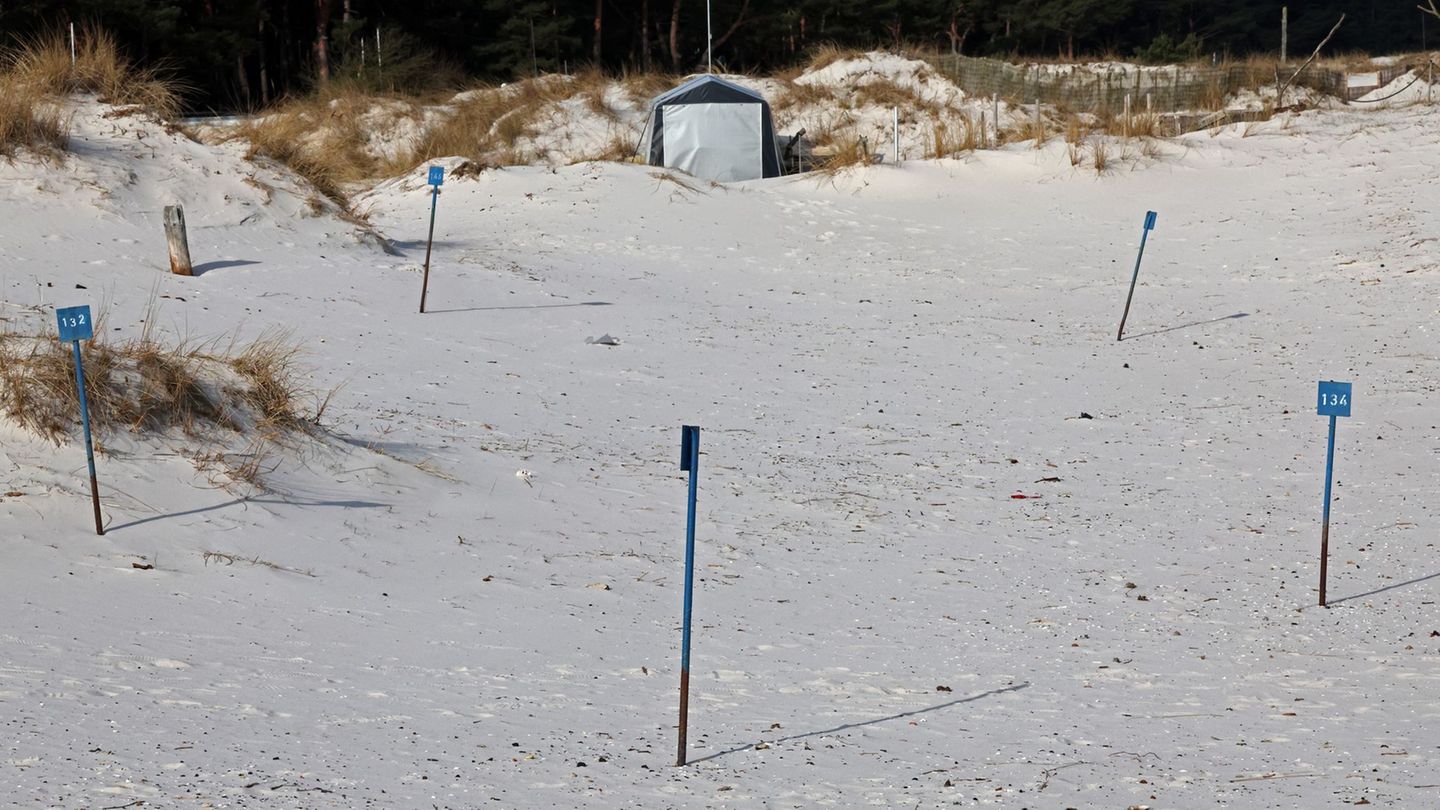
<point>1265,776</point>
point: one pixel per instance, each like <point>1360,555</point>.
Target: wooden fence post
<point>179,244</point>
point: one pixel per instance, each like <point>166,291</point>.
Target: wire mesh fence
<point>1104,88</point>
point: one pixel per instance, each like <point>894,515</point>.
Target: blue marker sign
<point>689,462</point>
<point>1144,235</point>
<point>1333,400</point>
<point>76,325</point>
<point>437,175</point>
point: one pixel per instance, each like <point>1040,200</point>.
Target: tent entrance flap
<point>719,141</point>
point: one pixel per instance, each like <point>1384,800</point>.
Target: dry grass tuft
<point>144,386</point>
<point>271,367</point>
<point>325,138</point>
<point>1136,125</point>
<point>591,86</point>
<point>794,95</point>
<point>946,141</point>
<point>30,120</point>
<point>1032,129</point>
<point>42,64</point>
<point>488,124</point>
<point>642,87</point>
<point>225,558</point>
<point>845,153</point>
<point>886,93</point>
<point>620,148</point>
<point>826,54</point>
<point>672,177</point>
<point>1100,155</point>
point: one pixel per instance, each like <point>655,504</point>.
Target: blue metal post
<point>89,447</point>
<point>1325,526</point>
<point>689,460</point>
<point>429,240</point>
<point>1144,236</point>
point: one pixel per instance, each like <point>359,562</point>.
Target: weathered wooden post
<point>178,242</point>
<point>1284,34</point>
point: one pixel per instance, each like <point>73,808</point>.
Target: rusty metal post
<point>1325,526</point>
<point>429,241</point>
<point>89,446</point>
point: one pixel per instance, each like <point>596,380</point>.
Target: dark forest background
<point>236,54</point>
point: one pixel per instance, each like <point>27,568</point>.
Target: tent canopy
<point>714,130</point>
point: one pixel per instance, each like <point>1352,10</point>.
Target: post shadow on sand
<point>847,726</point>
<point>1186,326</point>
<point>1407,583</point>
<point>202,269</point>
<point>521,306</point>
<point>237,501</point>
<point>402,245</point>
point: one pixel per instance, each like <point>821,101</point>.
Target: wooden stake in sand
<point>178,242</point>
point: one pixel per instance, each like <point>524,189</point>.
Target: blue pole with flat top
<point>1144,236</point>
<point>1325,525</point>
<point>76,325</point>
<point>689,461</point>
<point>89,446</point>
<point>436,178</point>
<point>1334,401</point>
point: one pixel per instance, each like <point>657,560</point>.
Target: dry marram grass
<point>144,386</point>
<point>30,120</point>
<point>226,558</point>
<point>37,75</point>
<point>325,138</point>
<point>824,55</point>
<point>947,140</point>
<point>43,64</point>
<point>489,123</point>
<point>845,153</point>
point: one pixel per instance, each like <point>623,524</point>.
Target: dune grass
<point>42,64</point>
<point>144,385</point>
<point>30,120</point>
<point>37,76</point>
<point>324,137</point>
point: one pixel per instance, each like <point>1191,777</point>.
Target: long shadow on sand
<point>1415,581</point>
<point>528,306</point>
<point>1187,326</point>
<point>202,269</point>
<point>237,501</point>
<point>862,724</point>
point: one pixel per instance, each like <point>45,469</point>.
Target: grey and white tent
<point>714,130</point>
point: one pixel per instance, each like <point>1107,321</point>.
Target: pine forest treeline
<point>241,54</point>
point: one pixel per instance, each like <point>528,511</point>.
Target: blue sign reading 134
<point>1334,399</point>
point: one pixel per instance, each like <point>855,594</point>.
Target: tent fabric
<point>715,141</point>
<point>713,129</point>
